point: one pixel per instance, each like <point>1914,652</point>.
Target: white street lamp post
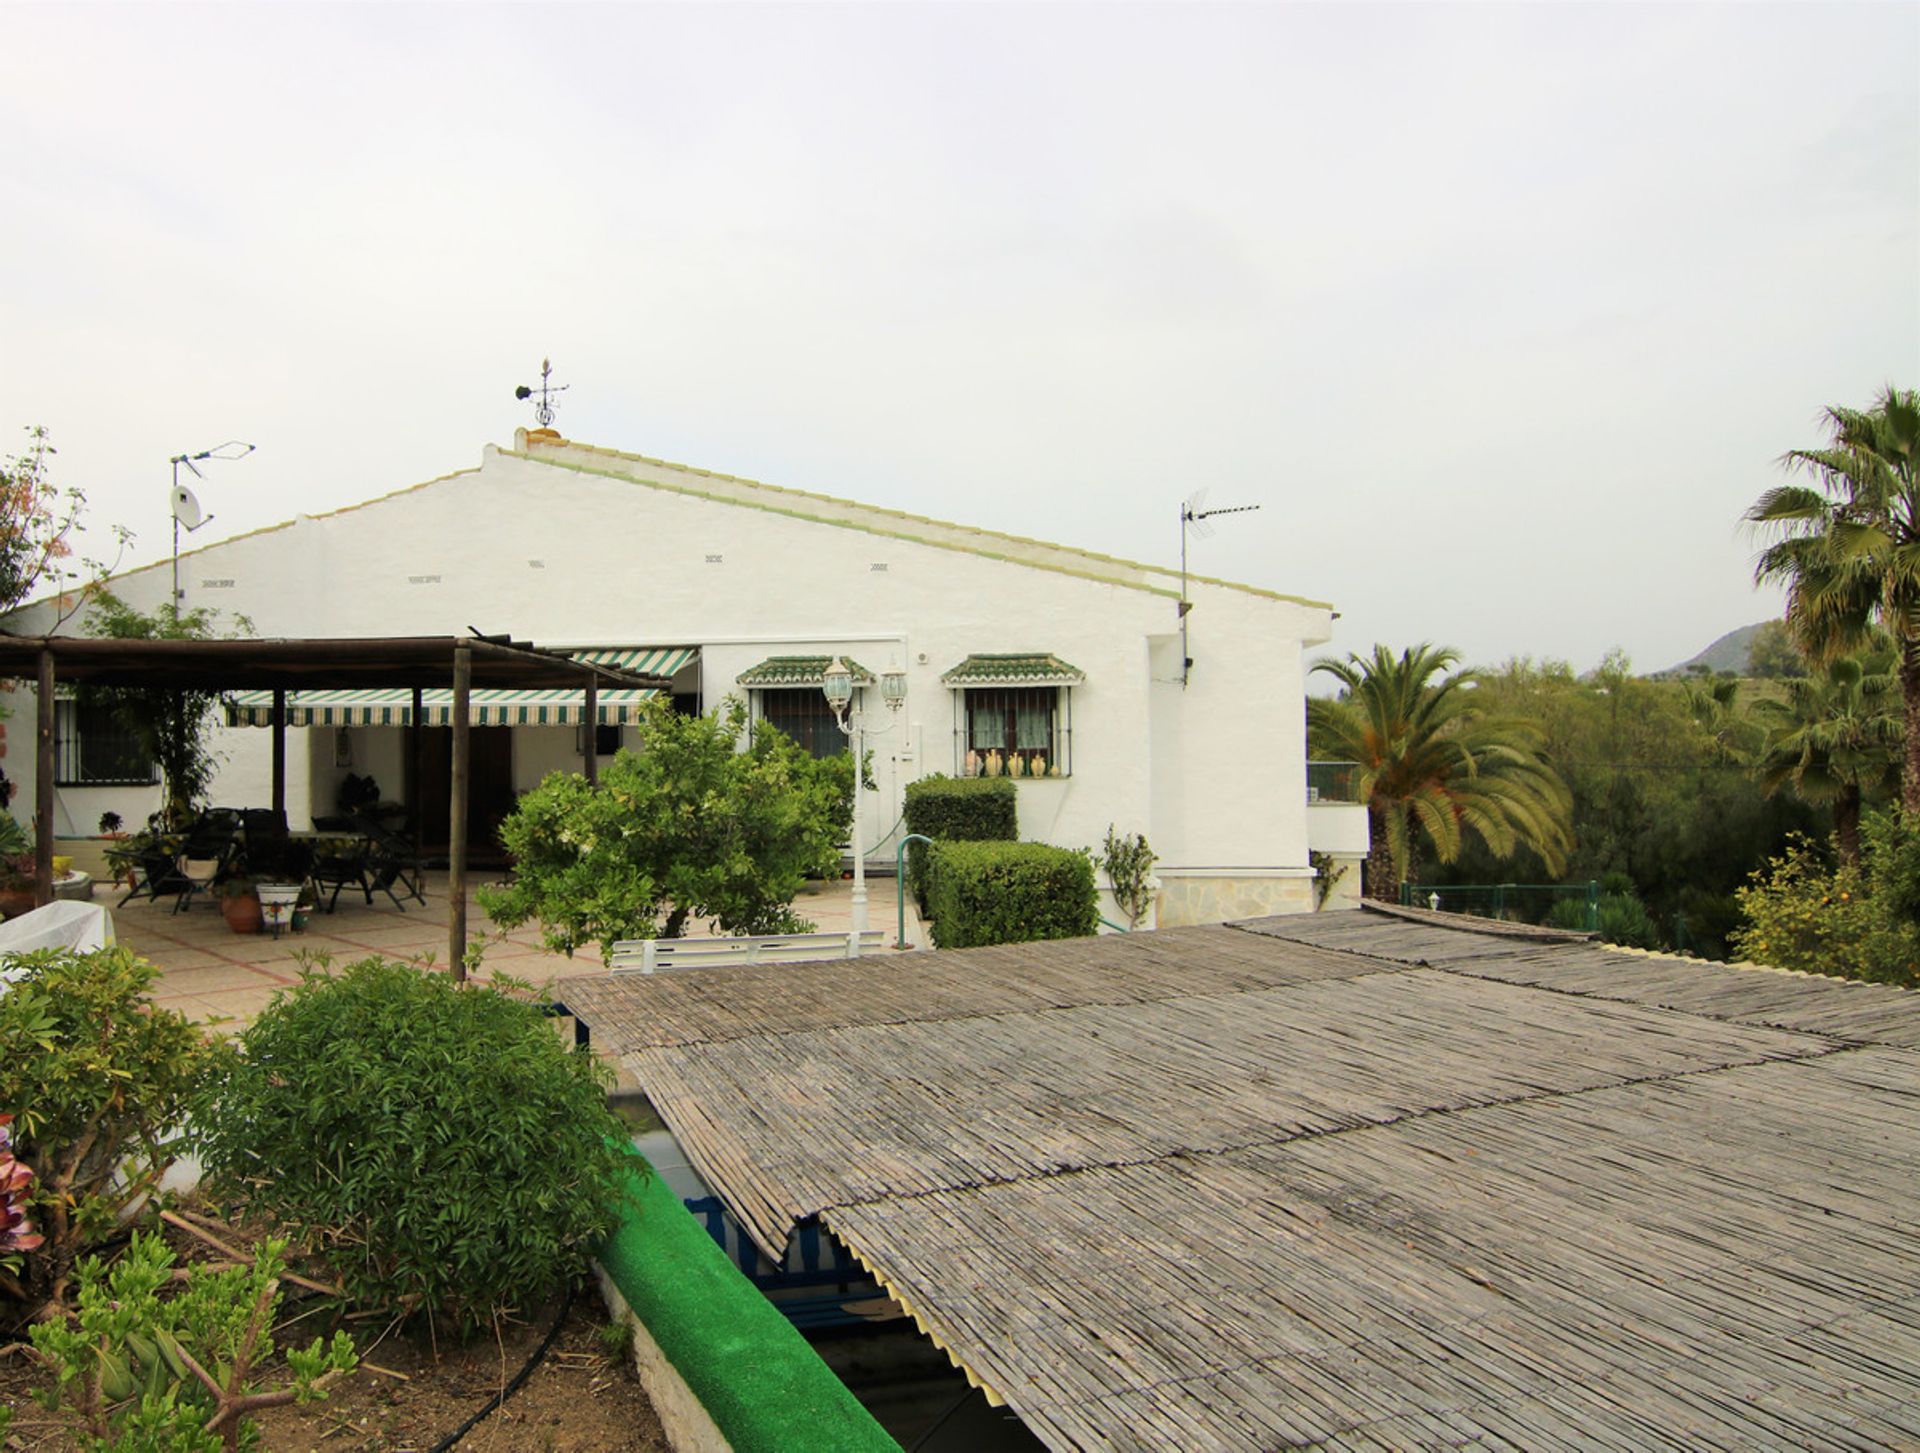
<point>837,684</point>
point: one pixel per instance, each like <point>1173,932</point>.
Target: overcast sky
<point>1502,314</point>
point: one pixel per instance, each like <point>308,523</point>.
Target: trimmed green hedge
<point>765,1388</point>
<point>957,809</point>
<point>981,893</point>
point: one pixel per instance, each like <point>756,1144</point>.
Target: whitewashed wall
<point>1213,772</point>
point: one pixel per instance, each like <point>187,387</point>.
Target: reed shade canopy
<point>1367,1179</point>
<point>410,664</point>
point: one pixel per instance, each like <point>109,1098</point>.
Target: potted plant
<point>240,904</point>
<point>16,868</point>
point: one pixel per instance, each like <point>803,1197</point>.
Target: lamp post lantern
<point>837,685</point>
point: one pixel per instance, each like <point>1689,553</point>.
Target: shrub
<point>1805,911</point>
<point>436,1145</point>
<point>957,809</point>
<point>99,1081</point>
<point>1623,918</point>
<point>689,827</point>
<point>992,892</point>
<point>130,1365</point>
<point>1128,863</point>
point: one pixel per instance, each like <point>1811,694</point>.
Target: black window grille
<point>93,749</point>
<point>803,714</point>
<point>1015,731</point>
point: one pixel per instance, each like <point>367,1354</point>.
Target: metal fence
<point>1508,902</point>
<point>1333,781</point>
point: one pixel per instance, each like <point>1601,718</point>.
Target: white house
<point>1038,658</point>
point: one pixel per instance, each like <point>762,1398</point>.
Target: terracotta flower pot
<point>242,912</point>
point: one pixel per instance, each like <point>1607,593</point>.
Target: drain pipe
<point>900,883</point>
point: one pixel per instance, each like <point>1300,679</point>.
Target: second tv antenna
<point>1194,515</point>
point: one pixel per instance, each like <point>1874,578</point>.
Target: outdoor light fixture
<point>836,683</point>
<point>185,508</point>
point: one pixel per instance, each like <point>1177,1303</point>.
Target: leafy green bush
<point>688,827</point>
<point>137,1371</point>
<point>1806,911</point>
<point>957,809</point>
<point>436,1145</point>
<point>100,1081</point>
<point>1623,917</point>
<point>983,893</point>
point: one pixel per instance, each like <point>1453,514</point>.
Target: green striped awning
<point>1030,669</point>
<point>800,671</point>
<point>393,706</point>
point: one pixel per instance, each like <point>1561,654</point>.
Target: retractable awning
<point>510,706</point>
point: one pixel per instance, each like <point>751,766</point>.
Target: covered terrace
<point>458,665</point>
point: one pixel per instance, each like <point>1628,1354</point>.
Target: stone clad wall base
<point>1212,898</point>
<point>689,1426</point>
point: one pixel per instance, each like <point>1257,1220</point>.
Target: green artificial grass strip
<point>766,1389</point>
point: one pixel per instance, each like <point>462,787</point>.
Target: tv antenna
<point>543,411</point>
<point>1194,515</point>
<point>183,504</point>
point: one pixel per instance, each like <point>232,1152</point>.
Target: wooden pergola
<point>419,663</point>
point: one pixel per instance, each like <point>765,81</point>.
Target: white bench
<point>658,955</point>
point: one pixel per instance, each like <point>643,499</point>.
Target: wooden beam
<point>43,787</point>
<point>280,753</point>
<point>592,718</point>
<point>457,814</point>
<point>416,744</point>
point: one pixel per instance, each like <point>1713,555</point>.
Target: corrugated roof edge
<point>904,515</point>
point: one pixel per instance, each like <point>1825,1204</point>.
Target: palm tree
<point>1835,738</point>
<point>1849,550</point>
<point>1433,765</point>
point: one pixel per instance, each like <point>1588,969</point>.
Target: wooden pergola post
<point>43,787</point>
<point>280,753</point>
<point>592,719</point>
<point>416,737</point>
<point>457,814</point>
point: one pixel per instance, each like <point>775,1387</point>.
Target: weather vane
<point>543,411</point>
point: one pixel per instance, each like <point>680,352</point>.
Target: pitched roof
<point>874,519</point>
<point>1339,1178</point>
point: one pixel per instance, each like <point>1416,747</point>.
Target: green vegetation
<point>169,724</point>
<point>434,1144</point>
<point>1848,547</point>
<point>1822,914</point>
<point>136,1372</point>
<point>957,809</point>
<point>688,827</point>
<point>1435,766</point>
<point>1128,863</point>
<point>99,1081</point>
<point>994,892</point>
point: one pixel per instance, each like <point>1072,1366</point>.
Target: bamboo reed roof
<point>1354,1180</point>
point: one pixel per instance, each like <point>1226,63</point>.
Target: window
<point>1014,731</point>
<point>91,748</point>
<point>803,714</point>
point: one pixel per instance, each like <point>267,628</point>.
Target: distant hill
<point>1729,653</point>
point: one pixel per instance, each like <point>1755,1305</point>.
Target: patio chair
<point>269,854</point>
<point>209,854</point>
<point>158,875</point>
<point>339,865</point>
<point>392,862</point>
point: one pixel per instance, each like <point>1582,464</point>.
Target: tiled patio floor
<point>210,972</point>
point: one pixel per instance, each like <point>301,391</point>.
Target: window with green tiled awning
<point>1025,669</point>
<point>778,671</point>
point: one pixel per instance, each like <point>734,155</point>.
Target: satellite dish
<point>186,509</point>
